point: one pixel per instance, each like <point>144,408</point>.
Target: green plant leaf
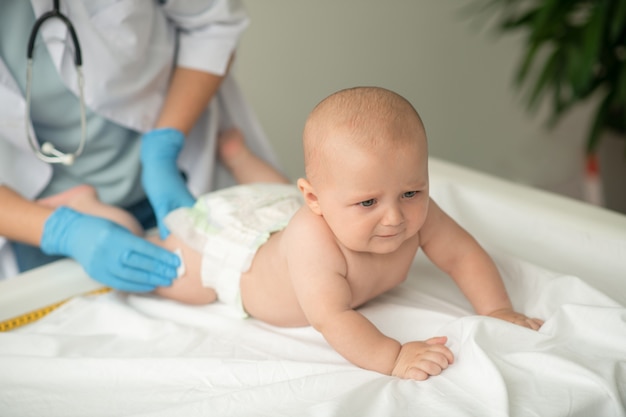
<point>591,44</point>
<point>574,50</point>
<point>619,20</point>
<point>543,24</point>
<point>616,118</point>
<point>516,22</point>
<point>577,71</point>
<point>524,67</point>
<point>549,73</point>
<point>620,83</point>
<point>598,124</point>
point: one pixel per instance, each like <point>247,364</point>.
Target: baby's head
<point>363,144</point>
<point>365,118</point>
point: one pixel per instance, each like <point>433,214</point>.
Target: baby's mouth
<point>388,235</point>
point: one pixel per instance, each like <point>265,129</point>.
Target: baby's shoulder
<point>306,223</point>
<point>309,235</point>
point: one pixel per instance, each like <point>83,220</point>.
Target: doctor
<point>140,125</point>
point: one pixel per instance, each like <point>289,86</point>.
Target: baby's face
<point>375,199</point>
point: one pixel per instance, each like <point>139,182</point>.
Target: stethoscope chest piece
<point>47,152</point>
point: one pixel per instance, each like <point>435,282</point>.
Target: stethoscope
<point>47,152</point>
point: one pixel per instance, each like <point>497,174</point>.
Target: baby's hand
<point>419,360</point>
<point>508,314</point>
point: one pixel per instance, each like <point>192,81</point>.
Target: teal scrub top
<point>110,161</point>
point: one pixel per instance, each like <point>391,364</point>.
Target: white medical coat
<point>129,48</point>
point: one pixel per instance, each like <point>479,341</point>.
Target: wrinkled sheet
<point>138,355</point>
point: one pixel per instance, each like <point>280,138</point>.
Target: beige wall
<point>456,74</point>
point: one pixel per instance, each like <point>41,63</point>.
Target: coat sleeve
<point>208,32</point>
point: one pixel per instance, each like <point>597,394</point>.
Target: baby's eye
<point>409,194</point>
<point>367,203</point>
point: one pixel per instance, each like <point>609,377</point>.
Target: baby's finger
<point>535,324</point>
<point>442,350</point>
<point>431,368</point>
<point>440,359</point>
<point>528,323</point>
<point>416,374</point>
<point>423,369</point>
<point>437,340</point>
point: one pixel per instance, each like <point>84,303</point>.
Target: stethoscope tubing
<point>55,13</point>
<point>47,152</point>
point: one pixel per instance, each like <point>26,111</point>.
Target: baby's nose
<point>393,216</point>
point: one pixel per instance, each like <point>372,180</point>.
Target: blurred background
<point>456,72</point>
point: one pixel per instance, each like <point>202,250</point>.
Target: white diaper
<point>228,226</point>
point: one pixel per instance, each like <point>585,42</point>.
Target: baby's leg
<point>188,287</point>
<point>84,198</point>
<point>245,166</point>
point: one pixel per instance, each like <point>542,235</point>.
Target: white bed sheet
<point>132,355</point>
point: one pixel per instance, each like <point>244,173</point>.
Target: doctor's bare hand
<point>419,360</point>
<point>108,252</point>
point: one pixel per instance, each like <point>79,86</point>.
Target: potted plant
<point>574,51</point>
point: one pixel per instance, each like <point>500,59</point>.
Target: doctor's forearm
<point>21,220</point>
<point>188,96</point>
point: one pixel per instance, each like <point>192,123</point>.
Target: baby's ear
<point>308,193</point>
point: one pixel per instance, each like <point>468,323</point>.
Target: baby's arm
<point>327,306</point>
<point>317,269</point>
<point>457,253</point>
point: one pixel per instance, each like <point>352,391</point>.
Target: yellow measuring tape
<point>35,315</point>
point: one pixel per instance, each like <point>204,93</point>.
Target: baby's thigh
<point>188,287</point>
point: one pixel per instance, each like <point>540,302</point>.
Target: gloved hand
<point>108,252</point>
<point>161,179</point>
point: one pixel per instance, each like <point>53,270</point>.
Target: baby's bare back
<point>268,292</point>
<point>266,289</point>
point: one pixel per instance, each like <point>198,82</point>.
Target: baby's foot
<point>232,147</point>
<point>244,165</point>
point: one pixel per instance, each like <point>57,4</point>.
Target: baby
<point>312,255</point>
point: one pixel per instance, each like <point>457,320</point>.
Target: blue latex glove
<point>108,252</point>
<point>160,176</point>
